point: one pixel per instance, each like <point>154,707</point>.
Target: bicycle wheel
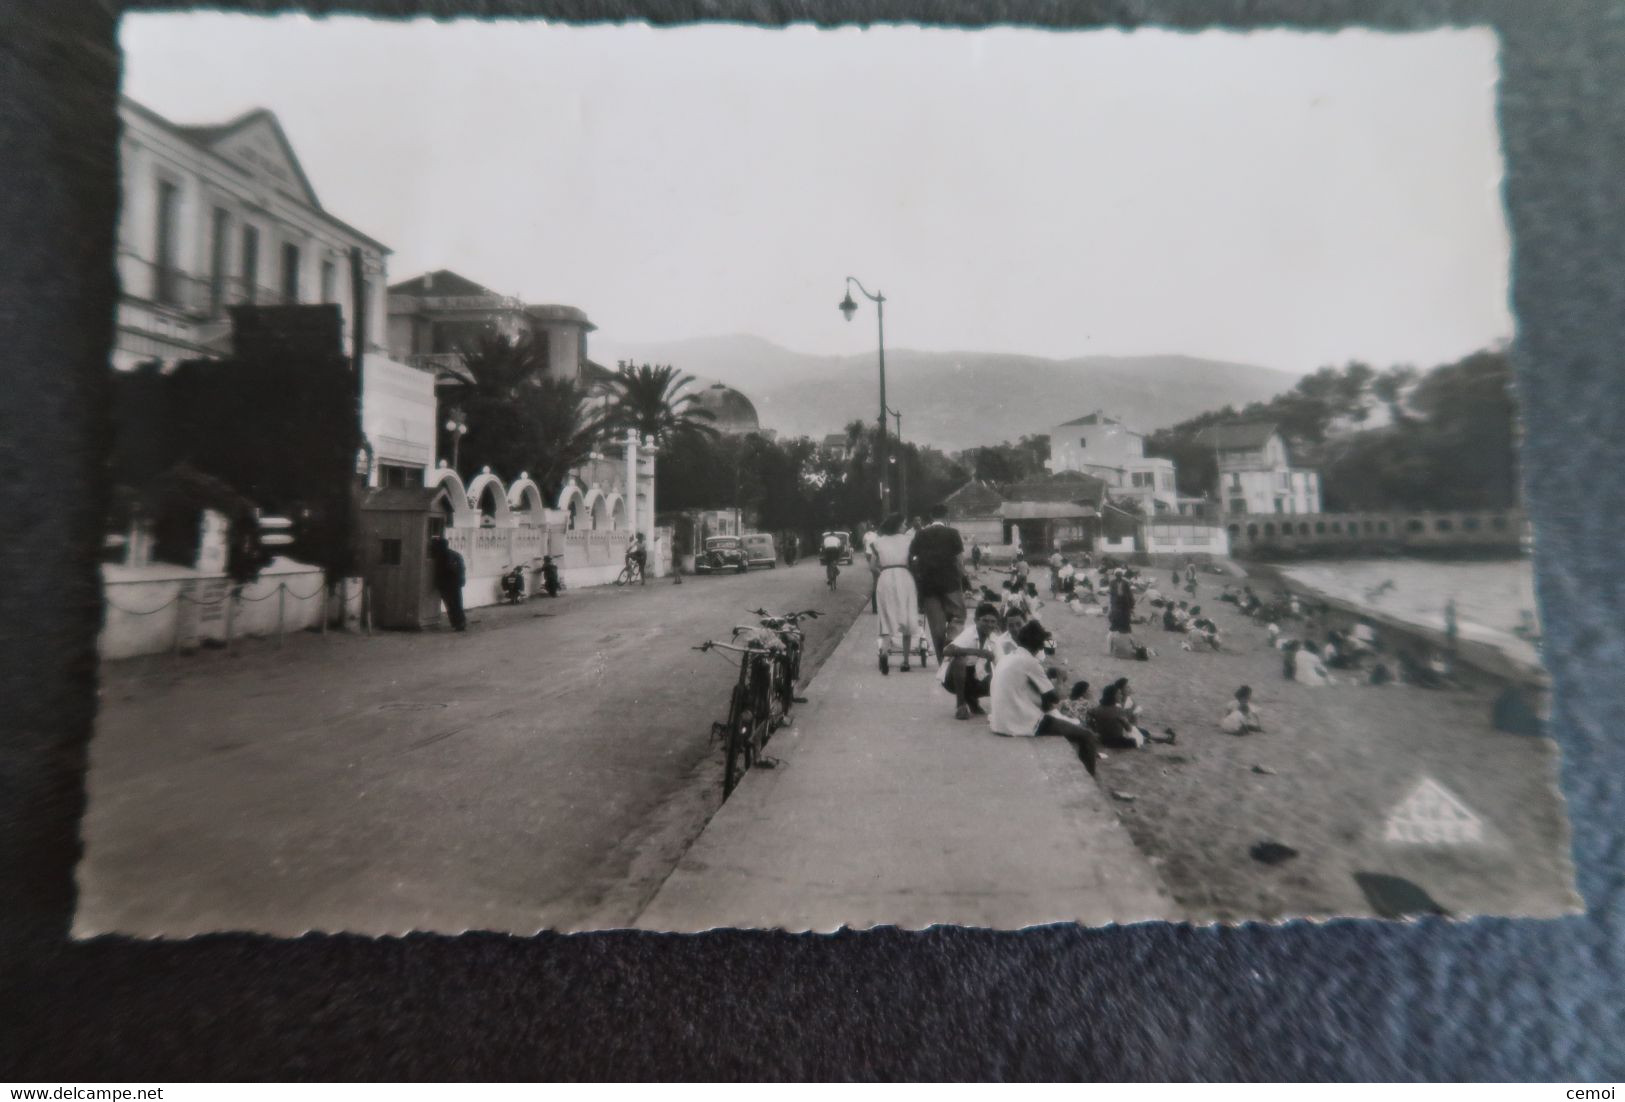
<point>624,576</point>
<point>762,709</point>
<point>741,728</point>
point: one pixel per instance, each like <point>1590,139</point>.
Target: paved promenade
<point>886,810</point>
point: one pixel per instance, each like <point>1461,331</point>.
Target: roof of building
<point>210,136</point>
<point>441,282</point>
<point>553,313</point>
<point>1044,510</point>
<point>1095,418</point>
<point>403,499</point>
<point>206,138</point>
<point>593,373</point>
<point>1237,437</point>
<point>973,499</point>
<point>731,410</point>
<point>1075,488</point>
<point>835,440</point>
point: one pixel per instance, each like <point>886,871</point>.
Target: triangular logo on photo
<point>1432,815</point>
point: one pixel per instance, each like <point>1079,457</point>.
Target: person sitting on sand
<point>1169,622</point>
<point>1242,718</point>
<point>1203,635</point>
<point>1274,634</point>
<point>1289,659</point>
<point>1307,668</point>
<point>1113,723</point>
<point>1023,700</point>
<point>968,661</point>
<point>1076,704</point>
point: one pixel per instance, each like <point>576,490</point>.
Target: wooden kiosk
<point>397,524</point>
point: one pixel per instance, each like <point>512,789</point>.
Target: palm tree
<point>650,401</point>
<point>486,391</point>
<point>519,417</point>
<point>561,431</point>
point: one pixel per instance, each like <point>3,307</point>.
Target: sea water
<point>1494,599</point>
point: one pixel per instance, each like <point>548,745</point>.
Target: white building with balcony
<point>438,315</point>
<point>223,215</point>
<point>1109,450</point>
<point>1256,473</point>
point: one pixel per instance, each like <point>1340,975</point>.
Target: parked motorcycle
<point>513,585</point>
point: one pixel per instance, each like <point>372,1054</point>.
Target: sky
<point>1282,199</point>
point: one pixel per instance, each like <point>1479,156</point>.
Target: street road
<point>546,769</point>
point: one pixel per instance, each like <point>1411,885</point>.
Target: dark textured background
<point>1491,998</point>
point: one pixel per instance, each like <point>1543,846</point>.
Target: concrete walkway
<point>886,810</point>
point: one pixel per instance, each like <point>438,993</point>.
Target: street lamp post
<point>849,307</point>
<point>457,426</point>
<point>901,459</point>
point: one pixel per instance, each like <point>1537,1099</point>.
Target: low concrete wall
<point>157,608</point>
<point>1484,660</point>
<point>1284,535</point>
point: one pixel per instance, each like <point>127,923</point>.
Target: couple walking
<point>917,571</point>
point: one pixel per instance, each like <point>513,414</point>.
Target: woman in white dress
<point>895,595</point>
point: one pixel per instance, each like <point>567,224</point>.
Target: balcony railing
<point>199,297</point>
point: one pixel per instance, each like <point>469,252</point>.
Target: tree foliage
<point>1450,440</point>
<point>652,401</point>
<point>520,418</point>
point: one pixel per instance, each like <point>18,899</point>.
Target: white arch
<point>569,504</point>
<point>592,506</point>
<point>499,498</point>
<point>525,500</point>
<point>617,511</point>
<point>462,516</point>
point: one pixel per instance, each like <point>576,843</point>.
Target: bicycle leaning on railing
<point>769,667</point>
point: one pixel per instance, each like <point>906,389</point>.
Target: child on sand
<point>1242,717</point>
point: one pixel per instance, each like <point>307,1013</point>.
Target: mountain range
<point>956,400</point>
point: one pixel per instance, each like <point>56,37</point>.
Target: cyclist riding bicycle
<point>830,556</point>
<point>636,557</point>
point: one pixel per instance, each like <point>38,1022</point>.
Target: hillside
<point>959,400</point>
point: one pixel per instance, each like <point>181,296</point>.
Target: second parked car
<point>760,550</point>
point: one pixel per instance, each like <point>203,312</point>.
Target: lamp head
<point>848,307</point>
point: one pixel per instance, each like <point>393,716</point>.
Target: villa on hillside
<point>1256,473</point>
<point>1105,448</point>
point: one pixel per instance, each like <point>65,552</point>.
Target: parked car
<point>760,550</point>
<point>846,548</point>
<point>721,554</point>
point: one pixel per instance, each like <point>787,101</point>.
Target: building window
<point>1083,441</point>
<point>1320,528</point>
<point>1337,526</point>
<point>369,323</point>
<point>1238,505</point>
<point>1442,525</point>
<point>330,281</point>
<point>251,264</point>
<point>290,273</point>
<point>1414,525</point>
<point>1280,506</point>
<point>1235,531</point>
<point>1269,530</point>
<point>1470,524</point>
<point>1252,531</point>
<point>166,287</point>
<point>1382,527</point>
<point>220,226</point>
<point>1235,480</point>
<point>389,552</point>
<point>1303,529</point>
<point>399,476</point>
<point>1498,523</point>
